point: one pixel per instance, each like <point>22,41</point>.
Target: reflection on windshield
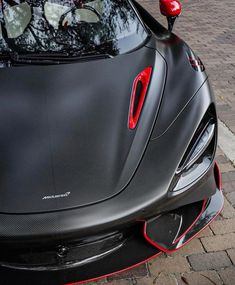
<point>74,27</point>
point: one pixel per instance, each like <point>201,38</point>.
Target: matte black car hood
<point>64,134</point>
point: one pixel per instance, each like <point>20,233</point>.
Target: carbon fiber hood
<point>64,136</point>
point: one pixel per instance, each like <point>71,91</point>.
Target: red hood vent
<point>139,91</point>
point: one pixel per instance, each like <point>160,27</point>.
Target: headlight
<point>199,155</point>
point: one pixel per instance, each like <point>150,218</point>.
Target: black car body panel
<point>133,203</point>
<point>67,138</point>
<point>79,188</point>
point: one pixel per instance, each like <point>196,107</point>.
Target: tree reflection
<point>26,29</point>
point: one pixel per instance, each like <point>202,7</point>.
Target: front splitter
<point>139,248</point>
<point>133,253</point>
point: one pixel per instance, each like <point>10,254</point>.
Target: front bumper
<point>140,243</point>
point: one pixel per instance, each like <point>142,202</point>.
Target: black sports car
<point>108,132</point>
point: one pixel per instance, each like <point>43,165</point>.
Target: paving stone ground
<point>208,26</point>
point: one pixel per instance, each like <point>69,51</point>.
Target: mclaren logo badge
<point>56,196</point>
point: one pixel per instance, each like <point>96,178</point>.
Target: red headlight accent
<point>139,91</point>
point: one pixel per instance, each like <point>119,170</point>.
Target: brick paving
<point>208,26</point>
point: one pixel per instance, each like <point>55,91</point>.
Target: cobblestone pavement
<point>208,26</point>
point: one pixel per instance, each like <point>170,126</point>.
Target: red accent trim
<point>218,176</point>
<point>196,63</point>
<point>170,8</point>
<point>117,272</point>
<point>144,78</point>
<point>173,250</point>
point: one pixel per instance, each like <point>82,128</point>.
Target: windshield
<point>71,27</point>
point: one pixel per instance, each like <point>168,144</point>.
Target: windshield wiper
<point>43,55</point>
<point>6,60</point>
<point>10,59</point>
<point>14,58</point>
<point>55,58</point>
